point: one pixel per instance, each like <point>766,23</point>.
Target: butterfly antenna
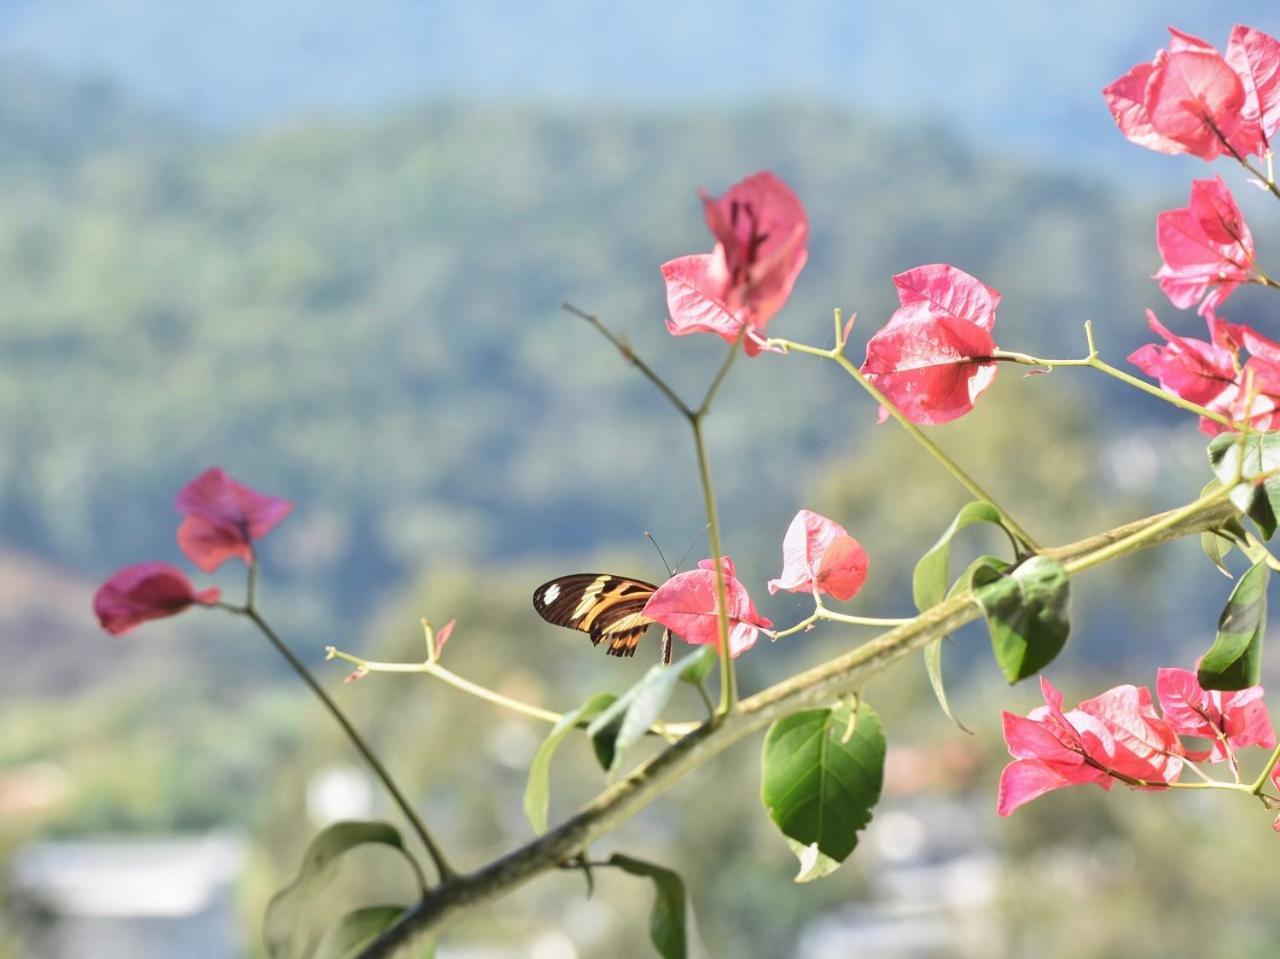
<point>693,544</point>
<point>649,537</point>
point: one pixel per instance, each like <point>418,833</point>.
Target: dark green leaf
<point>932,573</point>
<point>537,792</point>
<point>288,929</point>
<point>1235,659</point>
<point>1233,456</point>
<point>819,784</point>
<point>929,586</point>
<point>629,718</point>
<point>668,924</point>
<point>1027,613</point>
<point>356,930</point>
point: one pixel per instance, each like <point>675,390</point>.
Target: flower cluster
<point>221,519</point>
<point>1119,736</point>
<point>818,556</point>
<point>1212,374</point>
<point>1192,99</point>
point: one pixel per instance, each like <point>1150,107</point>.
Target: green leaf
<point>1233,456</point>
<point>819,787</point>
<point>356,930</point>
<point>1235,659</point>
<point>1217,543</point>
<point>700,663</point>
<point>1027,613</point>
<point>668,925</point>
<point>537,791</point>
<point>626,721</point>
<point>929,586</point>
<point>288,929</point>
<point>932,573</point>
<point>933,651</point>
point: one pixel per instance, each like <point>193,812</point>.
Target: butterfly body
<point>608,608</point>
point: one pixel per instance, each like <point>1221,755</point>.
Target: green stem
<point>728,678</point>
<point>1258,784</point>
<point>1095,362</point>
<point>631,357</point>
<point>951,466</point>
<point>665,730</point>
<point>443,869</point>
<point>821,614</point>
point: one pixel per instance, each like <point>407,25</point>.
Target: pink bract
<point>686,605</point>
<point>761,233</point>
<point>1212,374</point>
<point>143,592</point>
<point>1192,99</point>
<point>817,551</point>
<point>930,359</point>
<point>1117,736</point>
<point>222,518</point>
<point>1206,247</point>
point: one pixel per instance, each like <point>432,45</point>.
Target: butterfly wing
<point>607,608</point>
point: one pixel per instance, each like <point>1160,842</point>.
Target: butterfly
<point>606,607</point>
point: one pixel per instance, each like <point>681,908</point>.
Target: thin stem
<point>706,698</point>
<point>728,678</point>
<point>631,357</point>
<point>665,730</point>
<point>1094,361</point>
<point>951,466</point>
<point>821,614</point>
<point>1258,784</point>
<point>443,869</point>
<point>721,373</point>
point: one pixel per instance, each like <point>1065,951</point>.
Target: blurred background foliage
<point>360,309</point>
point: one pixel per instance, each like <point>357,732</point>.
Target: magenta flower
<point>817,553</point>
<point>136,594</point>
<point>761,234</point>
<point>1115,736</point>
<point>932,358</point>
<point>1206,247</point>
<point>1213,374</point>
<point>686,605</point>
<point>1191,99</point>
<point>222,518</point>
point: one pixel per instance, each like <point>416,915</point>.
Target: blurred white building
<point>144,898</point>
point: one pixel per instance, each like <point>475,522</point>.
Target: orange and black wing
<point>605,607</point>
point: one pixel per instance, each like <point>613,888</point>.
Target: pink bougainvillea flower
<point>1204,373</point>
<point>932,358</point>
<point>686,605</point>
<point>817,553</point>
<point>222,518</point>
<point>136,594</point>
<point>1206,247</point>
<point>1213,375</point>
<point>1229,720</point>
<point>1192,99</point>
<point>1255,57</point>
<point>1117,736</point>
<point>761,233</point>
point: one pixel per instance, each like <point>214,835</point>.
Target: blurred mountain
<point>1020,76</point>
<point>364,316</point>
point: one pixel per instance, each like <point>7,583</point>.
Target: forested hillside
<point>365,317</point>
